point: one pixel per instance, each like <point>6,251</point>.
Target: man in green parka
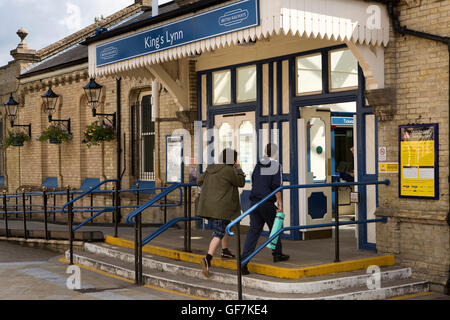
<point>219,201</point>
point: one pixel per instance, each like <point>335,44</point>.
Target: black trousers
<point>264,214</point>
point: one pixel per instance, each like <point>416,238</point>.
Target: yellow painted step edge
<point>285,273</point>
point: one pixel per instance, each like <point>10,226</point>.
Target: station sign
<point>231,18</point>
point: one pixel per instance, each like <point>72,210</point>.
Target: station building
<point>344,90</point>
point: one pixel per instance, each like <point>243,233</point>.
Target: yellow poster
<point>417,161</point>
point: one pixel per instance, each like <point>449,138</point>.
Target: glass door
<point>314,140</point>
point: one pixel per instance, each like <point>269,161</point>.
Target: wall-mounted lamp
<point>93,93</point>
<point>49,100</point>
<point>12,107</point>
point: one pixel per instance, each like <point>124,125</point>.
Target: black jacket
<point>266,178</point>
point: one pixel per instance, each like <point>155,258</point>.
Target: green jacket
<point>219,196</point>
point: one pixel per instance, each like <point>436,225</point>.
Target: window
<point>221,87</point>
<point>309,74</point>
<point>246,84</point>
<point>343,70</point>
<point>147,133</point>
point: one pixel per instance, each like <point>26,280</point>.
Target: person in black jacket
<point>266,177</point>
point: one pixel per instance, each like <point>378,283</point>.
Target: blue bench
<point>144,185</point>
<point>50,183</point>
<point>88,183</point>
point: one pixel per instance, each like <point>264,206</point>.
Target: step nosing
<point>320,285</point>
<point>264,269</point>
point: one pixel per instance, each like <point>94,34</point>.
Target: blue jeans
<point>264,214</point>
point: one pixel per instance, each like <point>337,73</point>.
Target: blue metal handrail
<point>165,227</point>
<point>86,193</point>
<point>302,186</point>
<point>313,226</point>
<point>107,209</point>
<point>155,199</point>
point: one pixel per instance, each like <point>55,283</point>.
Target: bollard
<point>5,209</point>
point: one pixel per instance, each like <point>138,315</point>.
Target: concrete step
<point>187,278</point>
<point>259,282</point>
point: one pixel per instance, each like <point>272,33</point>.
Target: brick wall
<point>417,231</point>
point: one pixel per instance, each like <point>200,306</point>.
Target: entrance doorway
<point>314,164</point>
<point>237,131</point>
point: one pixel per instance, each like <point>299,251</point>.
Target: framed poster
<point>174,159</point>
<point>418,160</point>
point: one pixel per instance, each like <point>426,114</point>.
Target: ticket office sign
<point>418,159</point>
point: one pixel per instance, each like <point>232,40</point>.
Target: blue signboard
<point>342,121</point>
<point>234,17</point>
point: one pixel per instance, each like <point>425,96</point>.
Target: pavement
<point>303,254</point>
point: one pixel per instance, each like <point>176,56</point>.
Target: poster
<point>174,159</point>
<point>418,158</point>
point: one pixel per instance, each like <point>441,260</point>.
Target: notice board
<point>174,159</point>
<point>418,159</point>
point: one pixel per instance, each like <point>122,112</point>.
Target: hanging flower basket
<point>55,135</point>
<point>97,132</point>
<point>15,139</point>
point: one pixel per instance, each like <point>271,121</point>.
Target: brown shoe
<point>205,267</point>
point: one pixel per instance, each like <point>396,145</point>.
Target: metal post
<point>189,233</point>
<point>165,209</point>
<point>92,205</point>
<point>116,210</point>
<point>24,215</point>
<point>5,209</point>
<point>137,242</point>
<point>136,251</point>
<point>336,219</point>
<point>31,206</point>
<point>185,221</point>
<point>239,261</point>
<point>138,200</point>
<point>54,206</point>
<point>70,226</point>
<point>141,279</point>
<point>44,195</point>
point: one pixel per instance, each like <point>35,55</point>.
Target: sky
<point>48,21</point>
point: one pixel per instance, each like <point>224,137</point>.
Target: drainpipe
<point>403,30</point>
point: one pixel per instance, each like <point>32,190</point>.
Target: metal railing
<point>135,218</point>
<point>335,224</point>
<point>69,209</point>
